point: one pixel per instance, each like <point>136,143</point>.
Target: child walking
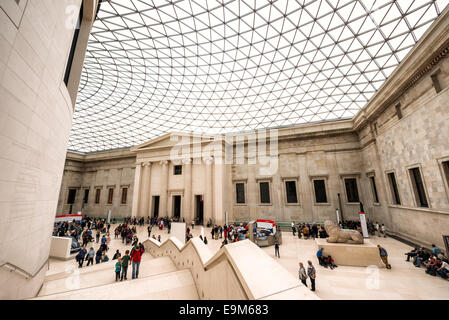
<point>118,269</point>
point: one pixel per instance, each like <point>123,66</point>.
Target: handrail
<point>13,268</point>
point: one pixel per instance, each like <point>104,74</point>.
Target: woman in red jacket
<point>136,257</point>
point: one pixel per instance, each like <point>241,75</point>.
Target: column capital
<point>187,161</point>
<point>209,160</point>
<point>164,162</point>
<point>146,164</point>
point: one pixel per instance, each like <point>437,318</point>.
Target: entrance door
<point>199,210</point>
<point>176,206</point>
<point>156,206</point>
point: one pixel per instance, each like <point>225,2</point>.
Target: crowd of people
<point>435,262</point>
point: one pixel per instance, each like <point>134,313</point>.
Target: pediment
<point>167,141</point>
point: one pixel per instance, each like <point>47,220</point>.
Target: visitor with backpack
<point>80,257</point>
<point>125,263</point>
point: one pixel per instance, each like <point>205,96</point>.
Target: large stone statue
<point>337,235</point>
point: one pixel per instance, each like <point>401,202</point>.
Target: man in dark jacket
<point>384,256</point>
<point>136,257</point>
<point>80,257</point>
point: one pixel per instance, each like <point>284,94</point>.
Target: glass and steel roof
<point>221,66</point>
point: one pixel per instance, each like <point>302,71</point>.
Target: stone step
<point>87,269</point>
<point>175,285</point>
<point>102,276</point>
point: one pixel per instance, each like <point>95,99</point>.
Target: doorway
<point>199,209</point>
<point>176,206</point>
<point>156,206</point>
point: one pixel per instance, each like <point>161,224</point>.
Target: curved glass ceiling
<point>222,66</point>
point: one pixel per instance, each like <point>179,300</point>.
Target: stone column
<point>208,197</point>
<point>253,191</point>
<point>145,194</point>
<point>187,212</point>
<point>136,191</point>
<point>306,189</point>
<point>164,189</point>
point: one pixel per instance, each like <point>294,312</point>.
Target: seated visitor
<point>420,257</point>
<point>432,266</point>
<point>412,253</point>
<point>443,270</point>
<point>435,250</point>
<point>330,262</point>
<point>319,255</point>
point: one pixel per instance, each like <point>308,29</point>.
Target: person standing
<point>80,257</point>
<point>136,257</point>
<point>118,268</point>
<point>97,236</point>
<point>377,227</point>
<point>312,274</point>
<point>90,256</point>
<point>276,249</point>
<point>98,256</point>
<point>125,264</point>
<point>384,229</point>
<point>293,228</point>
<point>149,231</point>
<point>319,255</point>
<point>302,274</point>
<point>384,256</point>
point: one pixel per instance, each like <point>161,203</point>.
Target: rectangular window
<point>418,188</point>
<point>110,195</point>
<point>290,190</point>
<point>264,192</point>
<point>240,193</point>
<point>436,81</point>
<point>71,197</point>
<point>73,47</point>
<point>86,195</point>
<point>320,191</point>
<point>394,189</point>
<point>374,189</point>
<point>97,195</point>
<point>177,170</point>
<point>445,165</point>
<point>124,195</point>
<point>352,193</point>
<point>399,111</point>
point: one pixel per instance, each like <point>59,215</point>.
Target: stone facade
<point>100,171</point>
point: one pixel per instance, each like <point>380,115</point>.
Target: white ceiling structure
<point>222,66</point>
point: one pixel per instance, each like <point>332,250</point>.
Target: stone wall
<point>35,119</point>
<point>419,139</point>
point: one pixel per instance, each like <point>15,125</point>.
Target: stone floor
<point>403,281</point>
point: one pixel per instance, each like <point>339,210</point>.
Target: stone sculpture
<point>337,235</point>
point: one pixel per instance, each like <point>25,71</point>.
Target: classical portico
<point>189,185</point>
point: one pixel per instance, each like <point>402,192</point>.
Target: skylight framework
<point>221,66</point>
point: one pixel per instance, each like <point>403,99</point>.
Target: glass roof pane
<point>217,67</point>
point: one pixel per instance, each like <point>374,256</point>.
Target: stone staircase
<point>159,279</point>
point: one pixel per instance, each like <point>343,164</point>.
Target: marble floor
<point>403,281</point>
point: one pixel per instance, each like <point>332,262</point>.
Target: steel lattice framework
<point>221,66</point>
